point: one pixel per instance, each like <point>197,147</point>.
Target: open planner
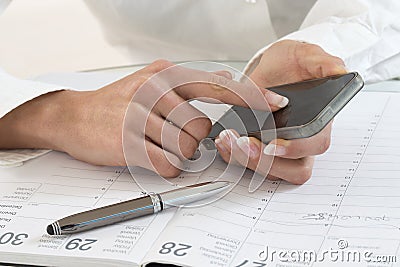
<point>348,213</point>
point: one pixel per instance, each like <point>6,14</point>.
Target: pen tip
<point>50,229</point>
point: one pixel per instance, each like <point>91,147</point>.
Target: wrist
<point>35,124</point>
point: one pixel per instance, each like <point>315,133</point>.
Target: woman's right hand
<point>147,116</point>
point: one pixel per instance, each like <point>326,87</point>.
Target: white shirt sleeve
<point>13,93</point>
<point>364,33</point>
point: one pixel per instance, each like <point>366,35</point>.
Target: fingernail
<point>341,69</point>
<point>223,135</point>
<point>225,74</point>
<point>247,147</point>
<point>232,135</point>
<point>274,150</point>
<point>220,146</point>
<point>277,100</point>
<point>228,137</point>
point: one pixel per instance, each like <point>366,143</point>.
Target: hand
<point>90,125</point>
<point>292,160</point>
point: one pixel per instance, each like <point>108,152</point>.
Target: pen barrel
<point>150,204</point>
<point>107,215</point>
<point>193,193</point>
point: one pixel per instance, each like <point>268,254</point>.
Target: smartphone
<point>312,105</point>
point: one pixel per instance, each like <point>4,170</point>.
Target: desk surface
<point>93,79</point>
<point>352,196</point>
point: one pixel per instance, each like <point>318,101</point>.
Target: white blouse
<point>364,33</point>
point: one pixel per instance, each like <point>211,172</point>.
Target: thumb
<point>323,65</point>
<point>274,100</point>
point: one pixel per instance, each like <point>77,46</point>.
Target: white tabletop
<point>93,79</point>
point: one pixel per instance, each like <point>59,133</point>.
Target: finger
<point>162,162</point>
<point>169,137</point>
<point>295,171</point>
<point>247,152</point>
<point>142,152</point>
<point>175,109</point>
<point>151,69</point>
<point>299,148</point>
<point>238,154</point>
<point>157,95</point>
<point>210,87</point>
<point>323,65</point>
<point>161,64</point>
<point>318,63</point>
<point>224,73</point>
<point>271,96</point>
<point>142,124</point>
<point>224,151</point>
<point>273,178</point>
<point>302,61</point>
<point>132,82</point>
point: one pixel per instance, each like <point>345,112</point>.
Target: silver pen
<point>146,205</point>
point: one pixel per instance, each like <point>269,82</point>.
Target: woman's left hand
<point>292,160</point>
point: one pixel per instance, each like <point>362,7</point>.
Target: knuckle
<point>170,172</point>
<point>138,80</point>
<point>187,146</point>
<point>325,144</point>
<point>130,85</point>
<point>199,128</point>
<point>338,60</point>
<point>217,79</point>
<point>204,127</point>
<point>137,112</point>
<point>312,48</point>
<point>161,64</point>
<point>225,159</point>
<point>304,172</point>
<point>219,83</point>
<point>283,43</point>
<point>303,176</point>
<point>296,151</point>
<point>165,168</point>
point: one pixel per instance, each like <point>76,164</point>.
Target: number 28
<point>176,249</point>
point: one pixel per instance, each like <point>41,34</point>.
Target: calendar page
<point>54,186</point>
<point>347,214</point>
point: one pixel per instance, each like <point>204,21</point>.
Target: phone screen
<point>306,100</point>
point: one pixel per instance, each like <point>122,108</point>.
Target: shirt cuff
<point>13,93</point>
<point>16,157</point>
<point>254,61</point>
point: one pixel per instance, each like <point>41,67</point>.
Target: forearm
<point>34,123</point>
